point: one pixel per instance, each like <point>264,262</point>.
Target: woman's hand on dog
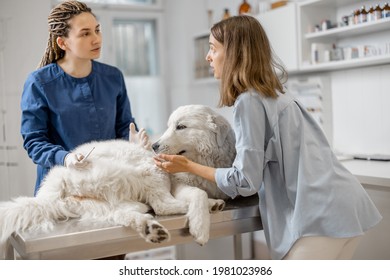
<point>176,163</point>
<point>172,163</point>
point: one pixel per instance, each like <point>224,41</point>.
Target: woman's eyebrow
<point>87,28</point>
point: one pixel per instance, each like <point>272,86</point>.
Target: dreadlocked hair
<point>59,26</point>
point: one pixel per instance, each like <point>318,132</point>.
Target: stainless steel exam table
<point>86,240</point>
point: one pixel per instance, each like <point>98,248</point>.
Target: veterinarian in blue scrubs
<point>72,99</point>
<point>311,206</point>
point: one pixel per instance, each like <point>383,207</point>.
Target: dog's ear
<point>220,127</point>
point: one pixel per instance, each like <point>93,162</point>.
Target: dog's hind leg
<point>165,204</point>
<point>128,214</point>
<point>145,224</point>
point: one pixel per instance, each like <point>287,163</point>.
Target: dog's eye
<point>180,127</point>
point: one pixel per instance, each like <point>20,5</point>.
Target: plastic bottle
<point>351,18</point>
<point>314,53</point>
<point>386,11</point>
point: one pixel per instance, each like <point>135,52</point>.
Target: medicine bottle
<point>370,14</point>
<point>363,14</point>
<point>356,16</point>
<point>377,12</point>
<point>244,8</point>
<point>386,11</point>
<point>226,14</point>
<point>351,18</point>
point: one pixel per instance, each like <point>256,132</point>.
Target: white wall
<point>182,87</point>
<point>361,115</point>
<point>23,41</point>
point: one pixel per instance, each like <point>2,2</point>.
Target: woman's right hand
<point>73,160</point>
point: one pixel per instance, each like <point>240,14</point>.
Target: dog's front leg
<point>198,211</point>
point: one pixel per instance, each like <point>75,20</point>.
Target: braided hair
<point>59,26</point>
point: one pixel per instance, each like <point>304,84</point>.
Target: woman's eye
<point>180,127</point>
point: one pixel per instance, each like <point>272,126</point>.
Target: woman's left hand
<point>172,163</point>
<point>140,138</point>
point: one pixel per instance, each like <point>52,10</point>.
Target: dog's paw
<point>200,237</point>
<point>199,228</point>
<point>216,205</point>
<point>154,232</point>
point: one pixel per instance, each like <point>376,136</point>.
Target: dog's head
<point>196,131</point>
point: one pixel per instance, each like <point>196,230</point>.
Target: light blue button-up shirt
<point>283,155</point>
<point>60,112</point>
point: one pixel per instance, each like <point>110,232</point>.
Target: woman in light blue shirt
<point>311,206</point>
<point>72,99</point>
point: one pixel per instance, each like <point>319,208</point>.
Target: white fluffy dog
<point>205,137</point>
<point>122,181</point>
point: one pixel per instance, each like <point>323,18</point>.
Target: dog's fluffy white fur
<point>121,182</point>
<point>205,137</point>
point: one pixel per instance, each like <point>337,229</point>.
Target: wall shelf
<point>346,64</point>
<point>350,31</point>
<point>327,3</point>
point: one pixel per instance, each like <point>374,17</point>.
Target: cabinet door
<point>281,27</point>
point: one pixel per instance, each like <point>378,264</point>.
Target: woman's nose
<point>97,38</point>
<point>208,58</point>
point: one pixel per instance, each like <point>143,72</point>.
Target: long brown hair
<point>58,27</point>
<point>249,59</point>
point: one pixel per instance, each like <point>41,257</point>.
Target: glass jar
<point>226,14</point>
<point>377,12</point>
<point>363,14</point>
<point>244,8</point>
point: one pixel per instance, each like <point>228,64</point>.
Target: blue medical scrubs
<point>60,112</point>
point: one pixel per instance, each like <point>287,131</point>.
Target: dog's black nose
<point>155,146</point>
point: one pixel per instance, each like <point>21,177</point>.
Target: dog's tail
<point>31,213</point>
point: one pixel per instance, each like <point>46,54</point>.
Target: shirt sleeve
<point>35,127</point>
<point>124,116</point>
<point>246,175</point>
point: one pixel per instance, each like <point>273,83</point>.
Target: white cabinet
<point>361,44</point>
<point>281,27</point>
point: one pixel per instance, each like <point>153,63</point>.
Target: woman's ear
<point>61,43</point>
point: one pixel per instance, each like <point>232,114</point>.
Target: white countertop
<point>370,172</point>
